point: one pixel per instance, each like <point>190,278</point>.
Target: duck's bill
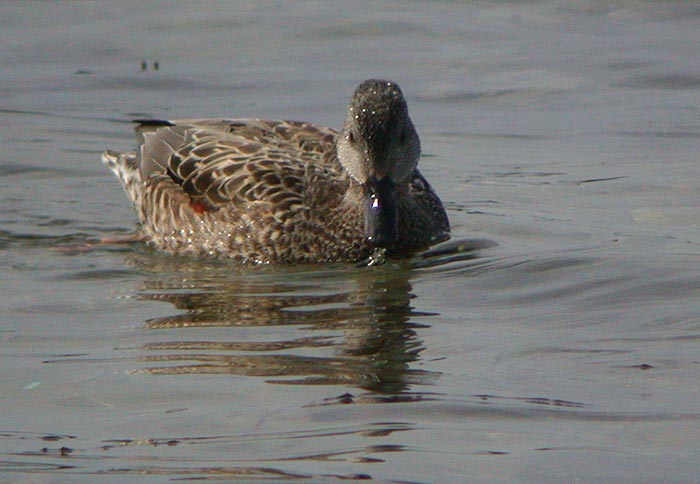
<point>381,207</point>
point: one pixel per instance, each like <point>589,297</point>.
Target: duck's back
<point>201,144</point>
<point>252,190</point>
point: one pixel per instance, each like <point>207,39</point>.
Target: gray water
<point>562,346</point>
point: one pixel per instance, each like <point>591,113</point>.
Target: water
<point>564,132</point>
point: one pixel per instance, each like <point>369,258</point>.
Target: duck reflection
<point>308,325</point>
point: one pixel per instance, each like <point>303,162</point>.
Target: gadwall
<point>285,191</point>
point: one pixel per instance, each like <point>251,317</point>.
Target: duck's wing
<point>305,137</point>
<point>218,162</point>
<point>433,210</point>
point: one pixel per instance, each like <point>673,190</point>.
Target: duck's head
<point>379,148</point>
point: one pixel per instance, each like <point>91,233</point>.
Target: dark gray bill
<point>381,221</point>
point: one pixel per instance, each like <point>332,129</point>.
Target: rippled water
<point>557,339</point>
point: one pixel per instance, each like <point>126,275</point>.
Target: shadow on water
<point>307,325</point>
<point>358,323</point>
<point>310,325</point>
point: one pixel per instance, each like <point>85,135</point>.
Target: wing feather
<point>216,162</point>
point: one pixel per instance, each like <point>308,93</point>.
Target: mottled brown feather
<point>260,191</point>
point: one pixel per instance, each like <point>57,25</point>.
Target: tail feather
<point>125,166</point>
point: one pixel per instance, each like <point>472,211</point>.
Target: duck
<point>285,192</point>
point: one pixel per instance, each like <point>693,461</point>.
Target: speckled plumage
<point>280,191</point>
